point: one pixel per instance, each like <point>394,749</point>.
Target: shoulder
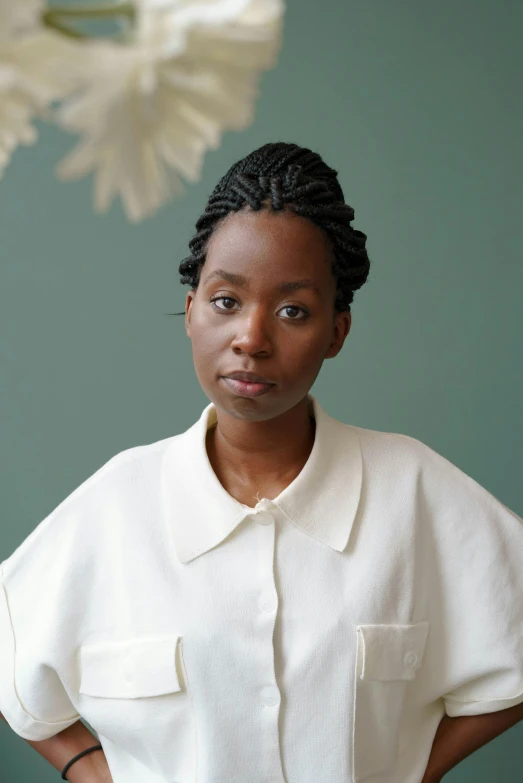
<point>391,451</point>
<point>76,522</point>
<point>438,483</point>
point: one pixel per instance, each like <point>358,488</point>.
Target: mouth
<point>248,388</point>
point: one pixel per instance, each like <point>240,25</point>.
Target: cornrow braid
<point>279,175</point>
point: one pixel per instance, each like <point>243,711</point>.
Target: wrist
<point>91,768</point>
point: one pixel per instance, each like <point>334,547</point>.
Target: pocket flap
<point>130,668</point>
<point>391,652</point>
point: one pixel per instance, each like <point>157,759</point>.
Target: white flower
<point>18,16</point>
<point>148,110</point>
<point>30,73</point>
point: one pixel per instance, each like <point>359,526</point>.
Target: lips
<point>247,389</point>
<point>248,377</point>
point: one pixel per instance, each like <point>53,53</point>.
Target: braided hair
<point>279,175</point>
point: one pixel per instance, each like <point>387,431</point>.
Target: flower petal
<point>33,73</point>
<point>148,111</point>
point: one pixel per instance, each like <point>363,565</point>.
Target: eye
<point>231,299</point>
<point>295,307</point>
<point>217,298</point>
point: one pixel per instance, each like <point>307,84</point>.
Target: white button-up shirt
<point>318,637</point>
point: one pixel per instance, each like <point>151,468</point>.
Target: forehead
<point>281,240</point>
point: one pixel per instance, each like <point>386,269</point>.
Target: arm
<point>58,750</point>
<point>457,738</point>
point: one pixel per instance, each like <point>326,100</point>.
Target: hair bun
<point>292,176</point>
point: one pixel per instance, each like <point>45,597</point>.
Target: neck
<point>260,455</point>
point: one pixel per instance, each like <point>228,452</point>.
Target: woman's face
<point>253,325</point>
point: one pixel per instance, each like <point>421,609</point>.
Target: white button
<point>268,604</point>
<point>271,695</point>
<point>264,518</point>
<point>411,659</point>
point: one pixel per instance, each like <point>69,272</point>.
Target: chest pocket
<point>134,691</point>
<point>387,659</point>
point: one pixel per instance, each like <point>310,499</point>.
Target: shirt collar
<point>322,500</point>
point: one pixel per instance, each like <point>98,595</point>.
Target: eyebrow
<point>243,282</point>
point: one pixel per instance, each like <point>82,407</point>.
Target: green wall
<point>418,106</point>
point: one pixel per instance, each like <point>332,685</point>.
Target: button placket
<point>269,697</point>
<point>268,602</point>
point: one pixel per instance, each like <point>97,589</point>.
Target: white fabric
<point>318,637</point>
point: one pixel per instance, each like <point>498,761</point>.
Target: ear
<point>188,305</point>
<point>342,325</point>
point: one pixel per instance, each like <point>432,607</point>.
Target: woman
<point>272,595</point>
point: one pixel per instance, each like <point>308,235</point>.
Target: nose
<point>252,332</point>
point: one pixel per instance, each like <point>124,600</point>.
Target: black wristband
<point>75,758</point>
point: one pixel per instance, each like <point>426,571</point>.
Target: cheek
<point>312,355</point>
<point>205,348</point>
<point>304,345</point>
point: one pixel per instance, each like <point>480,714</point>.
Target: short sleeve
<point>32,697</point>
<point>475,592</point>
